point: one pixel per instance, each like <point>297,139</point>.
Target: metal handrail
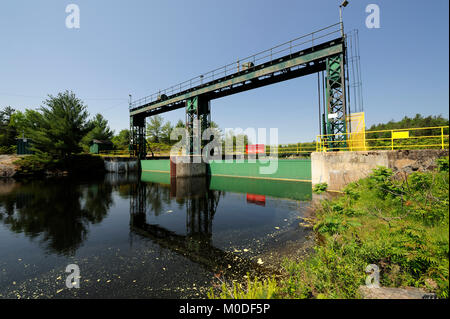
<point>325,142</point>
<point>224,71</point>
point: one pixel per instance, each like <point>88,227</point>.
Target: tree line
<point>62,126</point>
<point>418,121</point>
<point>59,128</point>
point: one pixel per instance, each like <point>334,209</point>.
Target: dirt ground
<point>7,168</point>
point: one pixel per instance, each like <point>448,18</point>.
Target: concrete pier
<point>121,164</point>
<point>190,166</point>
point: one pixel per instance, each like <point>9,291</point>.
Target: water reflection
<point>57,213</point>
<point>200,204</point>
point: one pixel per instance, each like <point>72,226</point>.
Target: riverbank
<point>28,166</point>
<point>7,166</point>
<point>401,226</point>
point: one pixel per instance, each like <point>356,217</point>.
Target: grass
<point>402,226</point>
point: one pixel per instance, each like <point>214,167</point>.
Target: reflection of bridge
<point>196,245</point>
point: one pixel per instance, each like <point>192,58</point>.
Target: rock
<point>7,166</point>
<point>394,293</point>
<point>7,171</point>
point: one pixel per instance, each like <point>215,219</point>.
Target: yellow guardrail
<point>286,149</point>
<point>397,139</point>
<point>280,150</point>
<point>120,153</point>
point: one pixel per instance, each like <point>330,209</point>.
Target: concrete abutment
<point>338,169</point>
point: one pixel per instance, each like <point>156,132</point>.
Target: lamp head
<point>344,3</point>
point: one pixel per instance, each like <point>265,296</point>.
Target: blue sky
<point>139,47</point>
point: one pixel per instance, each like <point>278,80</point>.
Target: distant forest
<point>408,122</point>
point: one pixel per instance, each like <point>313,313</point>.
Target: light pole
<point>343,5</point>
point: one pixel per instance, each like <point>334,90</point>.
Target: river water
<point>142,236</point>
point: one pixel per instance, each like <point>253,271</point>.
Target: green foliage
<point>36,164</point>
<point>419,139</point>
<point>99,130</point>
<point>180,124</point>
<point>443,164</point>
<point>158,148</point>
<point>256,289</point>
<point>400,225</point>
<point>122,140</point>
<point>320,188</point>
<point>8,131</point>
<point>59,126</point>
<point>233,142</point>
<point>420,181</point>
<point>8,149</point>
<point>416,122</point>
<point>382,183</point>
<point>154,129</point>
<point>159,132</point>
<point>299,149</point>
<point>165,133</point>
<point>44,164</point>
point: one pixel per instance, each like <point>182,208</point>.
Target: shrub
<point>401,226</point>
<point>320,188</point>
<point>443,164</point>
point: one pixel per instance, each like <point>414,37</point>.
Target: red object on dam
<point>255,149</point>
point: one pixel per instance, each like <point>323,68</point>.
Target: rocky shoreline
<point>7,167</point>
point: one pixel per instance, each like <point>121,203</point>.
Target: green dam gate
<point>295,170</point>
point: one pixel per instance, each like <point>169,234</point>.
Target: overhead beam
<point>302,58</point>
<point>272,79</point>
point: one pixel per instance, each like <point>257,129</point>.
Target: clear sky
<point>139,47</point>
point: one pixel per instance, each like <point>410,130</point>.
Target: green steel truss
<point>198,119</point>
<point>138,142</point>
<point>336,101</point>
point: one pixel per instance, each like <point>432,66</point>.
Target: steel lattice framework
<point>336,100</point>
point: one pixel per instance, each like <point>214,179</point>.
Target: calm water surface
<point>140,236</point>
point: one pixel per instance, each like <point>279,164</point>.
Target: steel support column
<point>198,119</point>
<point>336,102</point>
<point>138,142</point>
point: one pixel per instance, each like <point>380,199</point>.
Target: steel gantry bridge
<point>321,51</point>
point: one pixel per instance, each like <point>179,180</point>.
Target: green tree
<point>99,130</point>
<point>232,140</point>
<point>382,139</point>
<point>180,124</point>
<point>59,126</point>
<point>8,131</point>
<point>415,122</point>
<point>165,133</point>
<point>154,129</point>
<point>215,127</point>
<point>122,140</point>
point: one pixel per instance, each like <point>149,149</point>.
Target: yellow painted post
<point>392,139</point>
<point>442,137</point>
<point>350,142</point>
<point>364,140</point>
